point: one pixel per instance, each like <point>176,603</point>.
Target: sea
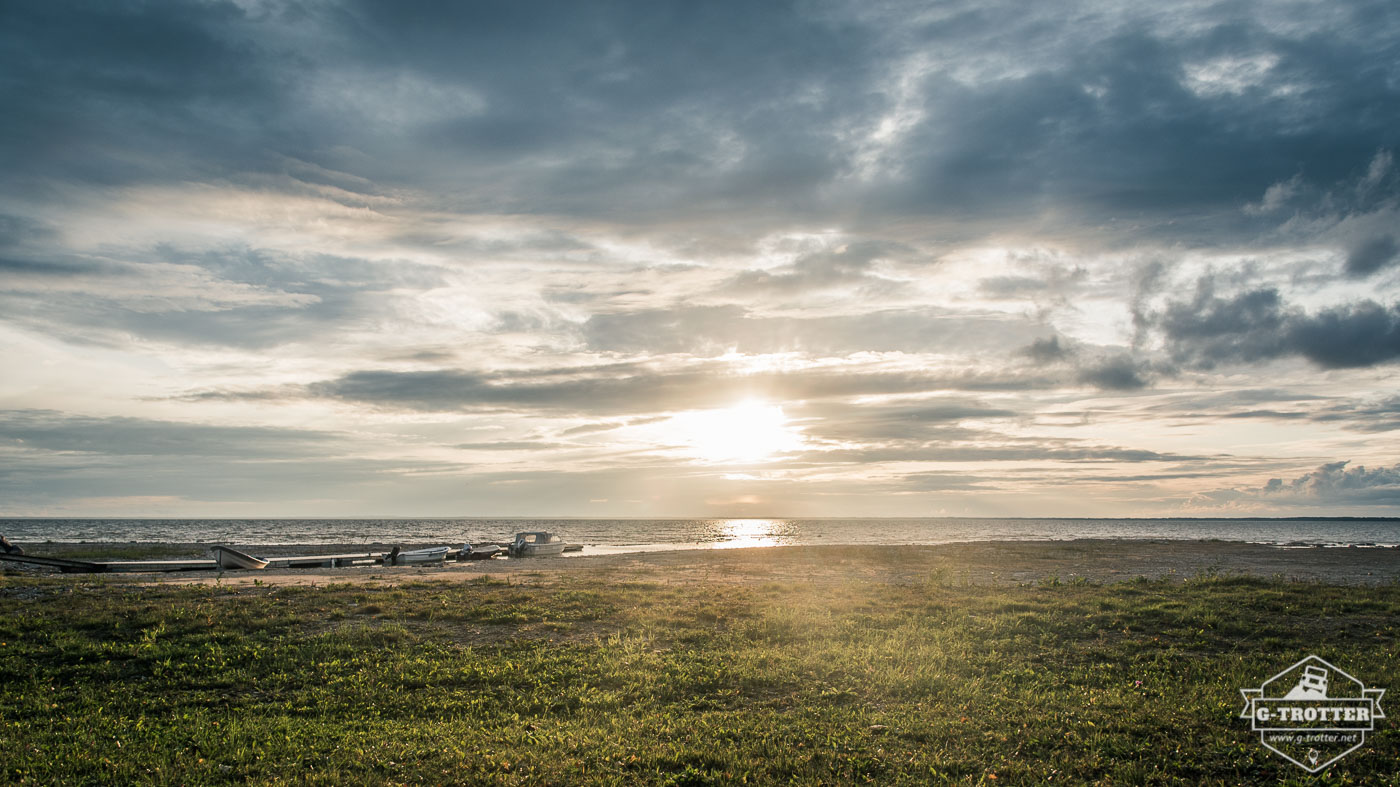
<point>601,536</point>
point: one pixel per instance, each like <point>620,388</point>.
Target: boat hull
<point>417,556</point>
<point>233,559</point>
<point>539,550</point>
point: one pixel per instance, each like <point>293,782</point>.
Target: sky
<point>679,259</point>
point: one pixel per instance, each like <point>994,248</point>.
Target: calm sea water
<point>627,535</point>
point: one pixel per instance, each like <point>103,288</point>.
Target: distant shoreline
<point>636,535</point>
<point>983,562</point>
<point>477,518</point>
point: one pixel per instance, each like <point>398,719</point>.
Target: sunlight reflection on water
<point>739,533</point>
<point>606,536</point>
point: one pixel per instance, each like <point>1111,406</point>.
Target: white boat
<point>479,551</point>
<point>415,556</point>
<point>535,544</point>
<point>232,558</point>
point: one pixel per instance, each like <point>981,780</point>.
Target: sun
<point>748,432</point>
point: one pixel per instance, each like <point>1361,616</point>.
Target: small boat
<point>416,556</point>
<point>231,558</point>
<point>479,551</point>
<point>536,544</point>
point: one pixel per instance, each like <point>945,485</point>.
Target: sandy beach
<point>982,563</point>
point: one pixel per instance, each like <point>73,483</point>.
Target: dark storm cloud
<point>1360,334</point>
<point>714,109</point>
<point>48,430</point>
<point>1120,127</point>
<point>1048,350</point>
<point>1257,325</point>
<point>1116,373</point>
<point>644,96</point>
<point>1105,368</point>
<point>1372,255</point>
<point>21,230</point>
<point>122,91</point>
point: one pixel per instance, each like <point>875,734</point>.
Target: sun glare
<point>748,432</point>
<point>742,533</point>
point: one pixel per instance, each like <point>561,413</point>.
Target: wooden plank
<point>61,563</point>
<point>323,561</point>
<point>127,566</point>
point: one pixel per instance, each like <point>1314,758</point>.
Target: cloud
<point>919,420</point>
<point>1275,197</point>
<point>845,266</point>
<point>716,330</point>
<point>53,431</point>
<point>232,296</point>
<point>1360,334</point>
<point>1256,325</point>
<point>1336,484</point>
<point>1026,451</point>
<point>1371,255</point>
<point>509,445</point>
<point>1116,373</point>
<point>1048,350</point>
<point>1105,368</point>
<point>830,111</point>
<point>931,233</point>
<point>635,388</point>
<point>1363,416</point>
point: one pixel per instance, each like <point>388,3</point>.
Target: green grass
<point>592,680</point>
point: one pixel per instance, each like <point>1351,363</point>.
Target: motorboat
<point>537,543</point>
<point>479,551</point>
<point>229,558</point>
<point>415,556</point>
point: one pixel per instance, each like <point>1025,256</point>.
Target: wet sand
<point>1005,562</point>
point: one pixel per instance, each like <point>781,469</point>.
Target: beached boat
<point>416,556</point>
<point>479,551</point>
<point>231,558</point>
<point>536,544</point>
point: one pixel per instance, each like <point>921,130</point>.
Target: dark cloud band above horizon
<point>676,111</point>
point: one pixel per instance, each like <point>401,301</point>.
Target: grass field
<point>591,678</point>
